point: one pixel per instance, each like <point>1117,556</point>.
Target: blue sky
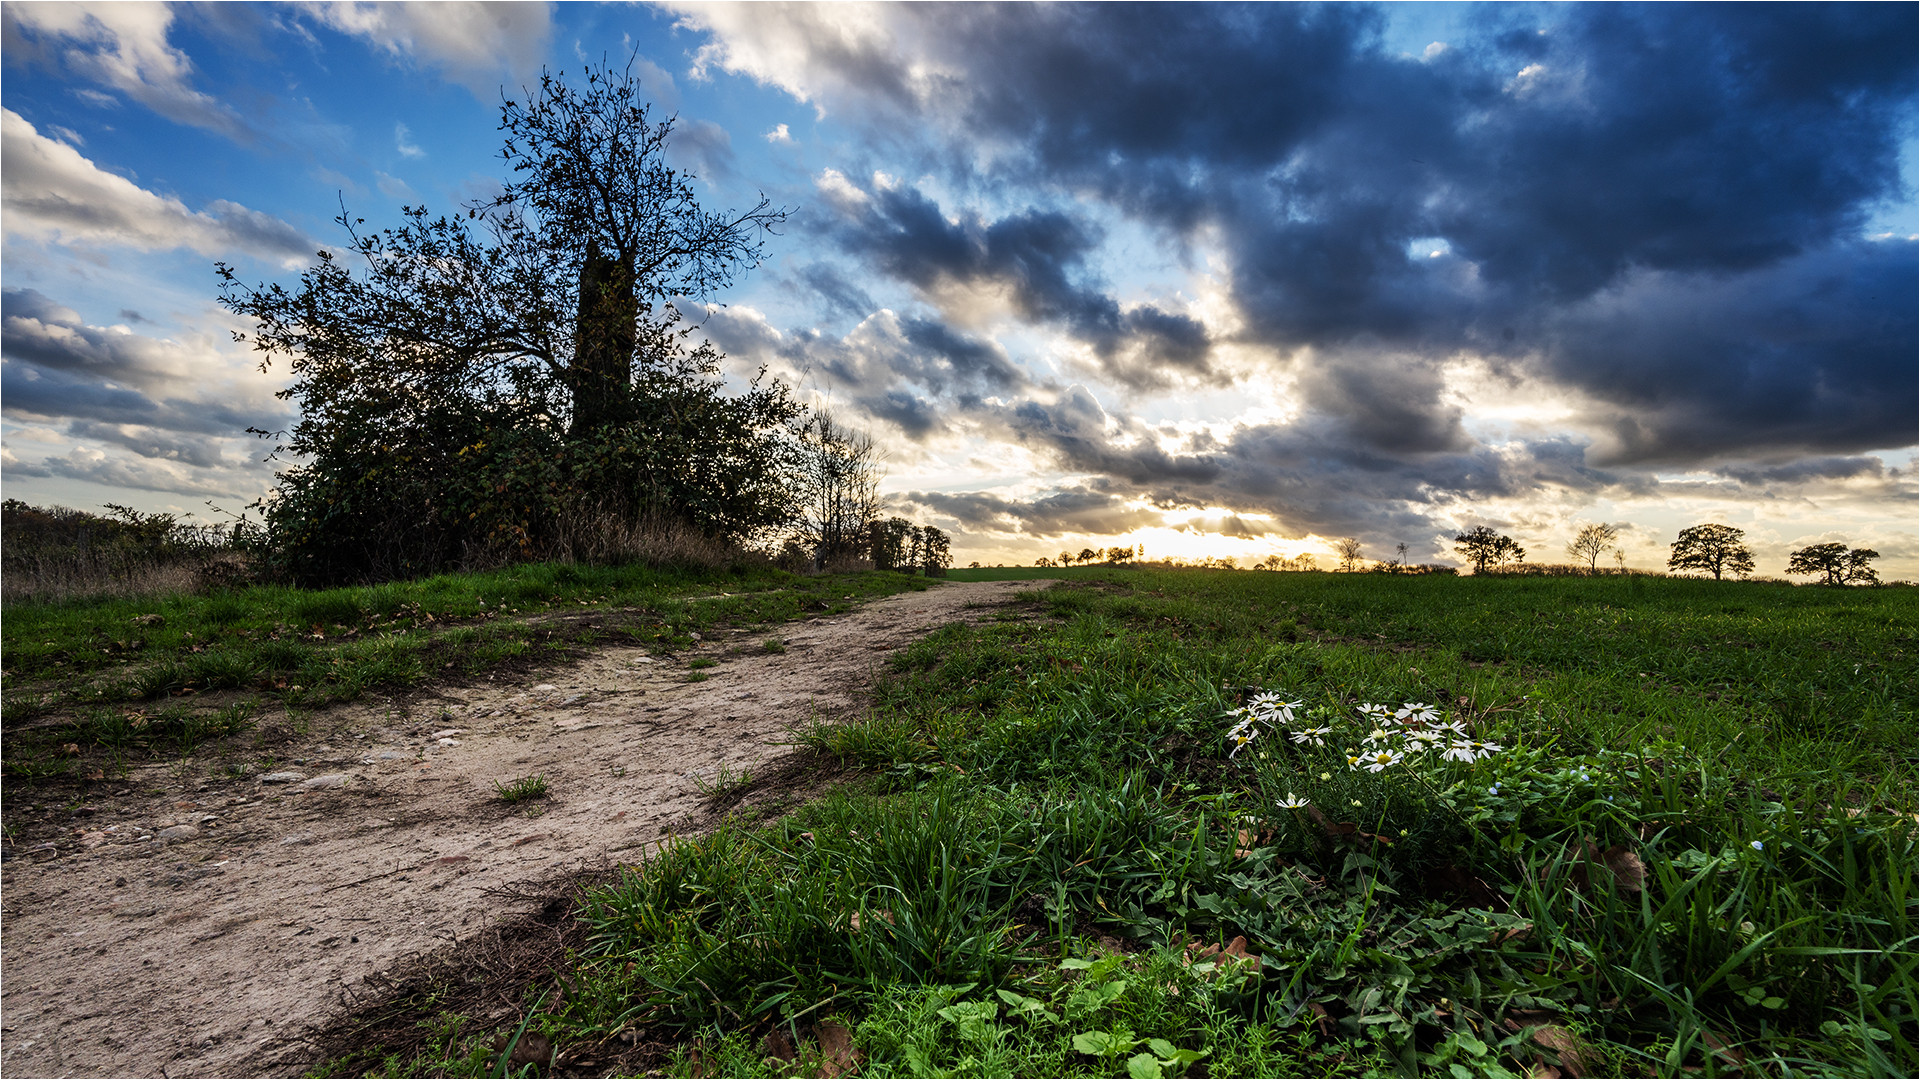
<point>1215,280</point>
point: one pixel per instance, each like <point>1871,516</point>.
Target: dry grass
<point>51,579</point>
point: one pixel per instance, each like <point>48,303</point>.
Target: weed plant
<point>525,789</point>
<point>1694,850</point>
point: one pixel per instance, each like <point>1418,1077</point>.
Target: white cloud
<point>402,141</point>
<point>123,46</point>
<point>478,45</point>
<point>393,187</point>
<point>53,193</point>
<point>780,134</point>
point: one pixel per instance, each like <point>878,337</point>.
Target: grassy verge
<point>92,684</point>
<point>1694,850</point>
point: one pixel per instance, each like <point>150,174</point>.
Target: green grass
<point>73,662</point>
<point>525,789</point>
<point>1049,824</point>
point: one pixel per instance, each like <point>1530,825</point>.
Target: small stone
<point>695,637</point>
<point>296,840</point>
<point>545,688</point>
<point>283,778</point>
<point>645,660</point>
<point>178,832</point>
<point>449,742</point>
<point>325,783</point>
<point>391,755</point>
<point>447,734</point>
<point>571,698</point>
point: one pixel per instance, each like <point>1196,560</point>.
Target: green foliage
<point>525,789</point>
<point>509,384</point>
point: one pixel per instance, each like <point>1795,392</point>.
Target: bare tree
<point>1350,550</point>
<point>1593,541</point>
<point>838,487</point>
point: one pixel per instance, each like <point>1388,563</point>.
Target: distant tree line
<point>1710,548</point>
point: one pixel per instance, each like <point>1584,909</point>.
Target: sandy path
<point>209,950</point>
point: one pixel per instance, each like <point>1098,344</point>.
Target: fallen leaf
<point>838,1055</point>
<point>779,1046</point>
<point>1729,1055</point>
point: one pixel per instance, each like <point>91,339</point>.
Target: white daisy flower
<point>1417,714</point>
<point>1316,736</point>
<point>1379,760</point>
<point>1292,802</point>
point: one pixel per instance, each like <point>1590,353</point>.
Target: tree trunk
<point>602,374</point>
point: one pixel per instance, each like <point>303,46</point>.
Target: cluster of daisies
<point>1393,735</point>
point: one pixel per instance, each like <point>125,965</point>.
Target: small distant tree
<point>1119,556</point>
<point>1485,548</point>
<point>932,551</point>
<point>1066,558</point>
<point>1836,564</point>
<point>888,542</point>
<point>1271,562</point>
<point>838,484</point>
<point>1400,553</point>
<point>1043,561</point>
<point>1306,561</point>
<point>1593,541</point>
<point>1716,548</point>
<point>1088,555</point>
<point>1350,551</point>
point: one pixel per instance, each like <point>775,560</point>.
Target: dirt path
<point>197,926</point>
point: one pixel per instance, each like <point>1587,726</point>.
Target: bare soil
<point>198,924</point>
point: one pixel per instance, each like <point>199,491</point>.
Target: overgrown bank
<point>96,684</point>
<point>1693,849</point>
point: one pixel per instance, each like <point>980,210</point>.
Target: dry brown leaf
<point>838,1055</point>
<point>1731,1056</point>
<point>1569,1055</point>
<point>778,1045</point>
<point>1627,873</point>
<point>532,1049</point>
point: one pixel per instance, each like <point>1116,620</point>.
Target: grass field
<point>94,684</point>
<point>1693,852</point>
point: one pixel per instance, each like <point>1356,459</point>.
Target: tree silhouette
<point>1350,551</point>
<point>1836,564</point>
<point>1593,541</point>
<point>1485,548</point>
<point>1711,547</point>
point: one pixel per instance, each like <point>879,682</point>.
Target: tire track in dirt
<point>202,926</point>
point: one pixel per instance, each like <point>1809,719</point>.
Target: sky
<point>1216,281</point>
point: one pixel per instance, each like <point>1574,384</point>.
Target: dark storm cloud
<point>842,297</point>
<point>58,367</point>
<point>909,372</point>
<point>1037,259</point>
<point>1814,354</point>
<point>1312,476</point>
<point>1070,511</point>
<point>1809,471</point>
<point>1583,173</point>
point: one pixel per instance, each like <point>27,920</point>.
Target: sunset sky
<point>1213,280</point>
